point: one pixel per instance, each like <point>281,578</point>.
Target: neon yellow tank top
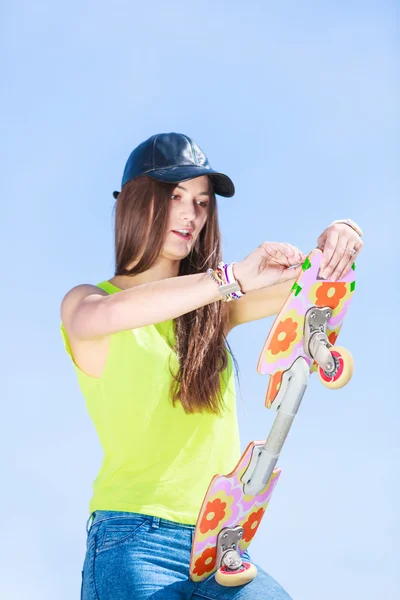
<point>158,460</point>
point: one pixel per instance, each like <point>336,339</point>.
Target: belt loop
<point>155,522</point>
<point>87,523</point>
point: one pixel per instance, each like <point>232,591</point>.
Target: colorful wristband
<point>230,277</point>
<point>228,287</point>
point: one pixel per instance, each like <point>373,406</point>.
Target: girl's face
<point>188,212</point>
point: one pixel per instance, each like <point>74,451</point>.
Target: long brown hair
<point>141,214</point>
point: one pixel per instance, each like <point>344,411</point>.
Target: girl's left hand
<point>340,245</point>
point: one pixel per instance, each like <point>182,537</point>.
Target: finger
<point>283,253</point>
<point>276,254</point>
<point>296,253</point>
<point>338,260</point>
<point>290,274</point>
<point>321,240</point>
<point>346,268</point>
<point>344,248</point>
<point>352,259</point>
<point>357,247</point>
<point>345,263</point>
<point>284,247</point>
<point>328,254</point>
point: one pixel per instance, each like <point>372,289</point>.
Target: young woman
<point>150,352</point>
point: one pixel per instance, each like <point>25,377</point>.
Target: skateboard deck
<point>284,343</point>
<point>225,505</point>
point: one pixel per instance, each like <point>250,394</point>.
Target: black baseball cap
<point>173,157</point>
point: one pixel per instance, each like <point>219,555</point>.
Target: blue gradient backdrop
<point>298,102</point>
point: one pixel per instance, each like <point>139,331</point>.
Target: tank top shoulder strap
<point>108,287</point>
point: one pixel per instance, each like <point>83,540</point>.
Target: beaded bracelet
<point>227,285</point>
<point>230,278</point>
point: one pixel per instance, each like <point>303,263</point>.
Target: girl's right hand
<point>269,264</point>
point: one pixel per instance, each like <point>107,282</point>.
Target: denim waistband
<point>105,515</point>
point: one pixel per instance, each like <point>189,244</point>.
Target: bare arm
<point>90,313</point>
<point>259,304</point>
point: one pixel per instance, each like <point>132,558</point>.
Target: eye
<point>175,197</point>
<point>203,203</point>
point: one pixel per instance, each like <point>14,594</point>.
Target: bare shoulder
<point>78,307</point>
<point>75,296</point>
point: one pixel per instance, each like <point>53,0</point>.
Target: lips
<point>183,237</point>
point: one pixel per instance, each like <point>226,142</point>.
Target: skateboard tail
<point>226,505</point>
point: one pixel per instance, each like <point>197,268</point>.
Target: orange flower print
<point>332,337</point>
<point>206,561</point>
<point>284,335</point>
<point>251,525</point>
<point>276,382</point>
<point>273,388</point>
<point>214,513</point>
<point>330,294</point>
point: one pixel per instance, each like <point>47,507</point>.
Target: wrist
<point>351,224</point>
<point>240,277</point>
<point>228,285</point>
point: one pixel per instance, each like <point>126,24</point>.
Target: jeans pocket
<point>112,535</point>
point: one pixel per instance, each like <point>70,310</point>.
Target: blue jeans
<point>130,556</point>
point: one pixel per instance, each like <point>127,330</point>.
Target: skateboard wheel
<point>343,371</point>
<point>228,578</point>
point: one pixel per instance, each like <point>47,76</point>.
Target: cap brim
<point>223,185</point>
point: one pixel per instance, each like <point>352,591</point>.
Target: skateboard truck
<point>227,542</point>
<point>232,570</point>
<point>316,343</point>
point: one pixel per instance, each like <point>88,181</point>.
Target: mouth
<point>183,234</point>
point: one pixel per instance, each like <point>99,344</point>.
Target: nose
<point>187,211</point>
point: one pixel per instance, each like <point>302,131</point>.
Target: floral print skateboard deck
<point>284,343</point>
<point>226,504</point>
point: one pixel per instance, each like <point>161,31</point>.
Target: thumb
<point>321,240</point>
<point>290,274</point>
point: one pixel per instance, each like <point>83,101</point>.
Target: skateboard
<point>301,341</point>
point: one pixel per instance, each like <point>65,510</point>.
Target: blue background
<point>298,103</point>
